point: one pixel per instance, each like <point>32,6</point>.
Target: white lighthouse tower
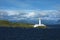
<point>40,24</point>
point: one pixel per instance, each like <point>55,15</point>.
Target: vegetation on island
<point>5,23</point>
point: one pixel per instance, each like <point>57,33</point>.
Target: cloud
<point>29,15</point>
<point>22,14</point>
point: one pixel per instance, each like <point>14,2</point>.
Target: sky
<point>30,4</point>
<point>16,9</point>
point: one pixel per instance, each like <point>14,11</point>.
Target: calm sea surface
<point>29,34</point>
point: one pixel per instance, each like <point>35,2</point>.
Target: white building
<point>40,24</point>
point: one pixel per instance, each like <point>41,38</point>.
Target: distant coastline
<point>5,23</point>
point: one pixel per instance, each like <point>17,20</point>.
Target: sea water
<point>9,33</point>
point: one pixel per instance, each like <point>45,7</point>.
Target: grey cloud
<point>17,14</point>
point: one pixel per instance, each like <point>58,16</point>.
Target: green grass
<point>14,24</point>
<point>5,23</point>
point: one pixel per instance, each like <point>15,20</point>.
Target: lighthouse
<point>39,24</point>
